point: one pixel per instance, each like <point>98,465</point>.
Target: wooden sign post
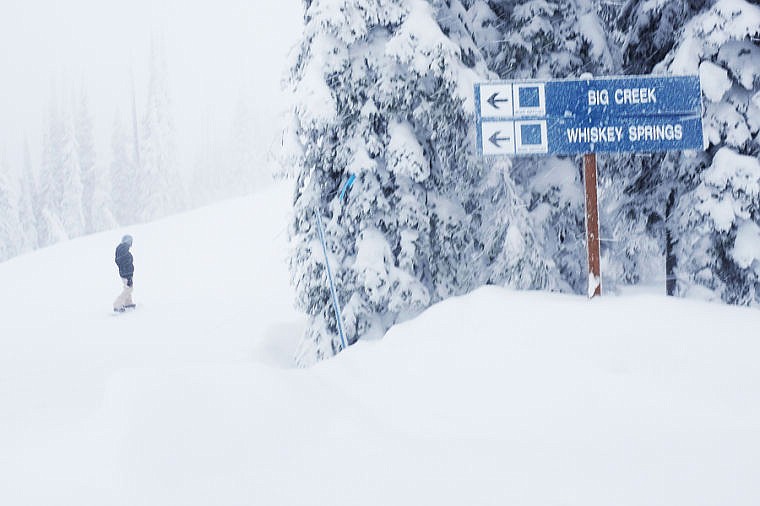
<point>592,226</point>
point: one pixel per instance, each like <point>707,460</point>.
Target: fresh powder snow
<point>497,397</point>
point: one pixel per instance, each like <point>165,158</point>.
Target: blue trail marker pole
<point>347,186</point>
<point>336,305</point>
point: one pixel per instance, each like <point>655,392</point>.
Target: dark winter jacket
<point>124,261</point>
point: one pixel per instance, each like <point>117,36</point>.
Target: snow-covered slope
<point>498,397</point>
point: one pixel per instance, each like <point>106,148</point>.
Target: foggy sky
<point>216,52</point>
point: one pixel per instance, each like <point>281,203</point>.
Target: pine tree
<point>667,203</point>
<point>27,205</point>
<point>123,175</point>
<point>649,30</point>
<point>136,158</point>
<point>50,201</point>
<point>331,96</point>
<point>102,202</point>
<point>608,12</point>
<point>716,202</point>
<point>639,189</point>
<point>542,40</point>
<point>96,183</point>
<point>384,93</point>
<point>83,134</point>
<point>72,190</point>
<point>10,223</point>
<point>161,190</point>
<point>515,255</point>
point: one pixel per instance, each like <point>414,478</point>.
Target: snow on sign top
<point>615,96</point>
<point>574,116</point>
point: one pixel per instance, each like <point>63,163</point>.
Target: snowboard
<point>126,308</point>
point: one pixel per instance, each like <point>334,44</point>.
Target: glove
<point>129,281</point>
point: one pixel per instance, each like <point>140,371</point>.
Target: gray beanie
<point>127,239</point>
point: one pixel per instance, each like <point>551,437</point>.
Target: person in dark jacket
<point>126,270</point>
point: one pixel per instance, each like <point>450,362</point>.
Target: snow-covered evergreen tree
<point>649,29</point>
<point>716,208</point>
<point>161,191</point>
<point>102,203</point>
<point>384,92</point>
<point>27,217</point>
<point>50,201</point>
<point>96,190</point>
<point>135,151</point>
<point>516,256</point>
<point>59,207</point>
<point>123,175</point>
<point>126,191</point>
<point>72,189</point>
<point>608,12</point>
<point>10,223</point>
<point>664,203</point>
<point>83,133</point>
<point>638,189</point>
<point>541,39</point>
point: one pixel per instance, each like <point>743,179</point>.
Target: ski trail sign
<point>630,114</point>
<point>574,116</point>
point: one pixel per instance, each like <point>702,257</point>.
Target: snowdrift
<point>498,397</point>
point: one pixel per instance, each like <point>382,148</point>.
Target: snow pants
<point>125,298</point>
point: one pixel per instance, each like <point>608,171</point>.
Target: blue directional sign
<point>617,114</point>
<point>570,136</point>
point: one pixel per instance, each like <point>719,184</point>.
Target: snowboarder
<point>126,270</point>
